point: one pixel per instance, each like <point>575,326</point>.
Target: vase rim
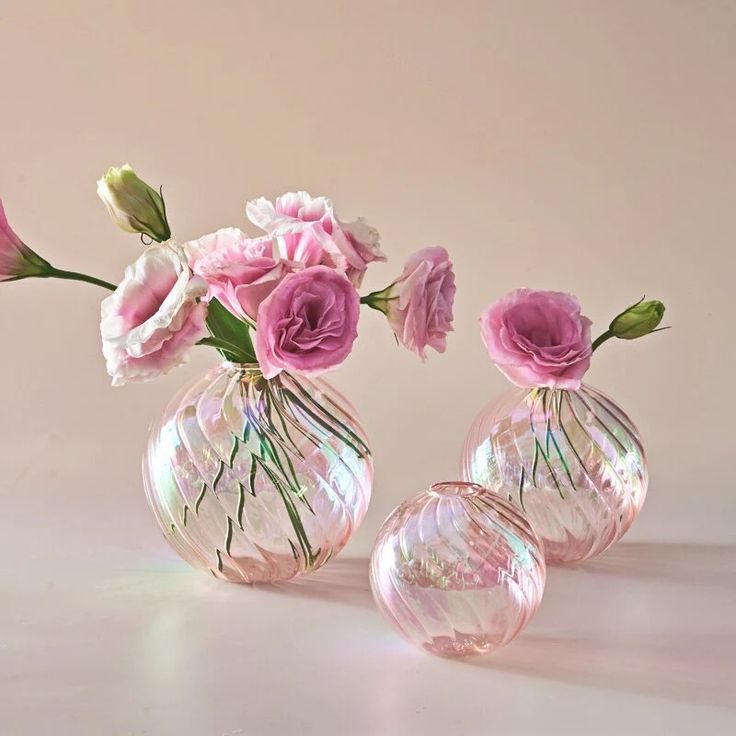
<point>235,366</point>
<point>456,488</point>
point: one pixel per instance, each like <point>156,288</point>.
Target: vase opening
<point>233,367</point>
<point>456,488</point>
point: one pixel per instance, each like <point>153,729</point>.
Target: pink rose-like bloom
<point>318,236</point>
<point>17,260</point>
<point>538,338</point>
<point>240,271</point>
<point>308,324</point>
<point>419,303</point>
<point>153,318</point>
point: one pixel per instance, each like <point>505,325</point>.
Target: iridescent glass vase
<point>572,460</point>
<point>258,480</point>
<point>457,570</point>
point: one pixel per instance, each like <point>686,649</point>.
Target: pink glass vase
<point>457,570</point>
<point>256,480</point>
<point>572,460</point>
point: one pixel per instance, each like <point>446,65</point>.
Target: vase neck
<point>546,390</point>
<point>232,367</point>
<point>455,488</point>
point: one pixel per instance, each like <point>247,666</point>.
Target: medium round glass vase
<point>457,569</point>
<point>257,480</point>
<point>572,460</point>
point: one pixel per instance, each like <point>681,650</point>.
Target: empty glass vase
<point>572,460</point>
<point>457,570</point>
<point>258,480</point>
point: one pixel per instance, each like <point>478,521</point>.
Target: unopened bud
<point>133,205</point>
<point>638,320</point>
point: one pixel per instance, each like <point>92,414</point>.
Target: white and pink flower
<point>154,317</point>
<point>317,236</point>
<point>240,271</point>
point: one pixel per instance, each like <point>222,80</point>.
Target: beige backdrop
<point>571,145</point>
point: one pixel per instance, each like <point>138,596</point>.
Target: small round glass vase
<point>257,480</point>
<point>572,460</point>
<point>457,569</point>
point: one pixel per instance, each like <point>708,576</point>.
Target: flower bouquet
<point>562,451</point>
<point>259,470</point>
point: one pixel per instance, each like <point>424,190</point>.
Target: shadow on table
<point>654,619</point>
<point>342,580</point>
<point>690,564</point>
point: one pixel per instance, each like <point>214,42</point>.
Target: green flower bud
<point>638,320</point>
<point>133,205</point>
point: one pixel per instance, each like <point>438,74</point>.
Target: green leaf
<point>227,350</point>
<point>230,335</point>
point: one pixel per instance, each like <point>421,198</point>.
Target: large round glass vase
<point>258,480</point>
<point>572,460</point>
<point>457,570</point>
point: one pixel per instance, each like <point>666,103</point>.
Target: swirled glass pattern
<point>457,570</point>
<point>572,460</point>
<point>258,480</point>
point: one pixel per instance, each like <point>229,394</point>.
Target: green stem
<point>55,273</point>
<point>373,305</point>
<point>375,300</point>
<point>607,335</point>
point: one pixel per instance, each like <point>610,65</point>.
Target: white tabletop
<point>103,630</point>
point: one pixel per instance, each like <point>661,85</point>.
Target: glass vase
<point>257,480</point>
<point>457,569</point>
<point>572,460</point>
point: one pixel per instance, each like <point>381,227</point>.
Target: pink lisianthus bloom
<point>419,303</point>
<point>308,324</point>
<point>318,236</point>
<point>538,338</point>
<point>154,317</point>
<point>240,271</point>
<point>17,260</point>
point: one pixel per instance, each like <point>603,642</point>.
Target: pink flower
<point>318,236</point>
<point>308,324</point>
<point>419,303</point>
<point>152,319</point>
<point>17,260</point>
<point>240,271</point>
<point>538,338</point>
